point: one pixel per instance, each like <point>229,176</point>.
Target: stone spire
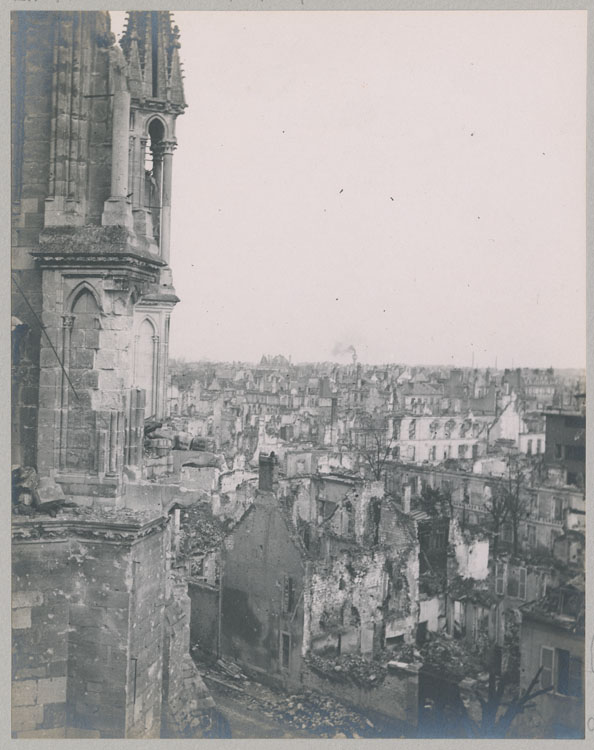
<point>151,45</point>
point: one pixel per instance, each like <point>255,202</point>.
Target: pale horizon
<point>409,183</point>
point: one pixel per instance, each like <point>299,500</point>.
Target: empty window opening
<point>394,641</point>
<point>285,650</point>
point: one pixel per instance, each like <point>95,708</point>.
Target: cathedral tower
<point>93,142</point>
<point>100,622</point>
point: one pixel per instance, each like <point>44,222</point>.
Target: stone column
<point>116,210</point>
<point>156,200</point>
<point>111,468</point>
<point>67,323</point>
<point>120,144</point>
<point>169,147</point>
<point>132,168</point>
<point>155,389</point>
<point>141,173</point>
<point>165,375</point>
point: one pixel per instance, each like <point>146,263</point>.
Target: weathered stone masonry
<point>97,634</point>
<point>88,614</point>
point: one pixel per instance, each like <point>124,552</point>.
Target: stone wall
<point>187,704</point>
<point>80,591</point>
<point>147,608</point>
<point>395,699</point>
<point>554,715</point>
<point>40,621</point>
<point>259,559</point>
<point>346,597</point>
<point>204,623</point>
<point>43,154</point>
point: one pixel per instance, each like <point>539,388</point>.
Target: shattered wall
<point>203,478</point>
<point>234,504</point>
<point>345,600</point>
<point>432,611</point>
<point>355,597</point>
<point>471,552</point>
<point>399,535</point>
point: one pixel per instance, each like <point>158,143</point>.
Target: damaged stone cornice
<point>166,299</point>
<point>111,248</point>
<point>38,529</point>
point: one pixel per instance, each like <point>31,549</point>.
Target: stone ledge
<point>121,526</point>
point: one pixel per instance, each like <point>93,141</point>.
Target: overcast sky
<point>411,183</point>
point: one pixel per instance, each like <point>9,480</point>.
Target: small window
<point>412,429</point>
<point>522,584</point>
<point>531,536</point>
<point>539,446</point>
<point>306,536</point>
<point>285,650</point>
<point>513,584</point>
<point>558,509</point>
<point>288,594</point>
<point>529,449</point>
<point>546,662</point>
<point>500,578</point>
<point>575,678</point>
<point>563,671</point>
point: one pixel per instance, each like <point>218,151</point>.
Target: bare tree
<point>515,501</point>
<point>498,510</point>
<point>494,723</point>
<point>374,444</point>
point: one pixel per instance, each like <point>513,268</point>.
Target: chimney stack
<point>267,472</point>
<point>406,498</point>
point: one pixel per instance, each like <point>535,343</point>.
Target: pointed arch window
<point>153,170</point>
<point>146,364</point>
<point>83,322</point>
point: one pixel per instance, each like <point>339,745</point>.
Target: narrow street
<point>254,710</point>
<point>247,722</point>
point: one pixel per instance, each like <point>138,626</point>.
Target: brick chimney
<point>268,472</point>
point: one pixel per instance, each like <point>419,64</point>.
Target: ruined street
<point>256,710</point>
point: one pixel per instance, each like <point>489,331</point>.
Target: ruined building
<point>319,567</point>
<point>98,633</point>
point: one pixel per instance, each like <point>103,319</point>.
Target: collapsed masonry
<point>317,581</point>
<point>328,583</point>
